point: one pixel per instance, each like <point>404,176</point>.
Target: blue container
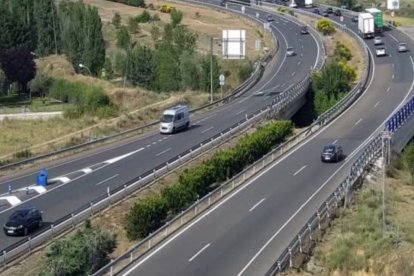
<point>41,178</point>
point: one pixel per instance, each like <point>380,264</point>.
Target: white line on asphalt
<point>283,84</point>
<point>154,143</point>
<point>388,89</point>
<point>110,178</point>
<point>393,37</point>
<point>299,62</point>
<point>241,111</point>
<point>334,142</point>
<point>393,76</point>
<point>148,146</point>
<point>360,120</point>
<point>208,129</point>
<point>164,151</point>
<point>301,54</point>
<point>160,140</point>
<point>293,74</point>
<point>63,179</point>
<point>199,252</point>
<point>393,65</point>
<point>257,204</point>
<point>116,159</point>
<point>376,104</point>
<point>298,171</point>
<point>242,100</point>
<point>86,170</point>
<point>302,46</point>
<point>390,55</point>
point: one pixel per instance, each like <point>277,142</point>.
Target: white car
<point>380,51</point>
<point>402,47</point>
<point>293,5</point>
<point>377,40</point>
<point>290,52</point>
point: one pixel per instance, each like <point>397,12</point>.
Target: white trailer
<point>308,3</point>
<point>366,25</point>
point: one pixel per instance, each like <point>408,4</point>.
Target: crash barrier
<point>303,242</point>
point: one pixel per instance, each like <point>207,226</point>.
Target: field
<point>133,103</point>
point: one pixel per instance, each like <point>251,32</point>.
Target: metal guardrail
<point>112,196</point>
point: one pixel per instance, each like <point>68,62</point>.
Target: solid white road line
<point>12,200</point>
<point>242,100</point>
<point>257,204</point>
<point>393,76</point>
<point>360,120</point>
<point>334,142</point>
<point>293,74</point>
<point>86,170</point>
<point>199,252</point>
<point>208,129</point>
<point>393,37</point>
<point>63,179</point>
<point>298,171</point>
<point>376,104</point>
<point>110,178</point>
<point>299,63</point>
<point>241,111</point>
<point>388,89</point>
<point>116,159</point>
<point>164,151</point>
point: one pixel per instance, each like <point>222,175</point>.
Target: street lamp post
<point>211,66</point>
<point>81,65</point>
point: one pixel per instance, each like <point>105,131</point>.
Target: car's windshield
<point>329,149</point>
<point>402,44</point>
<point>20,214</point>
<point>167,118</point>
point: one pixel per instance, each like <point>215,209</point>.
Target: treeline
<point>172,65</point>
<point>152,212</point>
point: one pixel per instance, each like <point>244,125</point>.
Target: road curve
<point>86,177</point>
<point>245,233</point>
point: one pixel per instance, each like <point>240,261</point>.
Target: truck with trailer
<point>378,20</point>
<point>366,25</point>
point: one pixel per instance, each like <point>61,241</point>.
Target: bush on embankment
<point>86,98</point>
<point>152,212</point>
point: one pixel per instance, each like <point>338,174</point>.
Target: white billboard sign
<point>234,44</point>
<point>393,4</point>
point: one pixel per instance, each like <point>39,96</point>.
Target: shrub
<point>40,84</point>
<point>245,70</point>
<point>342,52</point>
<point>116,20</point>
<point>123,39</point>
<point>325,26</point>
<point>144,17</point>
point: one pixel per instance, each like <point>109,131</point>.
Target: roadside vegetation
<point>356,244</point>
<point>132,57</point>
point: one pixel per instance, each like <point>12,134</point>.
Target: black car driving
<point>331,153</point>
<point>22,221</point>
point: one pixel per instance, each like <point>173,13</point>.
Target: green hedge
<point>152,212</point>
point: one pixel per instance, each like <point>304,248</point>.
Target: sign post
<point>222,78</point>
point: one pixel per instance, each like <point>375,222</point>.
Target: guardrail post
<point>221,192</point>
<point>73,219</point>
<point>108,192</point>
<point>131,257</point>
<point>153,172</point>
<point>319,220</point>
<point>126,191</point>
<point>254,169</point>
<point>91,205</point>
<point>232,184</point>
<point>209,198</point>
<point>4,258</point>
<point>181,218</point>
<point>149,242</point>
<point>166,228</point>
<point>336,200</point>
<point>310,231</point>
<point>30,243</point>
<point>244,176</point>
<point>279,267</point>
<point>273,156</point>
<point>290,257</point>
<point>300,243</point>
<point>111,271</point>
<point>327,209</point>
<point>263,163</point>
<point>52,229</point>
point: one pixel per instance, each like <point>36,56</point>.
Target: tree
<point>47,29</point>
<point>175,17</point>
<point>123,39</point>
<point>13,33</point>
<point>116,20</point>
<point>325,26</point>
<point>18,66</point>
<point>141,66</point>
<point>184,39</point>
<point>82,35</point>
<point>189,72</point>
<point>167,74</point>
<point>205,78</point>
<point>133,26</point>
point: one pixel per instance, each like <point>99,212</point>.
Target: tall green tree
<point>14,34</point>
<point>82,35</point>
<point>166,75</point>
<point>205,76</point>
<point>123,39</point>
<point>190,75</point>
<point>141,66</point>
<point>47,28</point>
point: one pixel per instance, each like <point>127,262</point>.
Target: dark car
<point>22,221</point>
<point>325,14</point>
<point>304,30</point>
<point>355,18</point>
<point>270,18</point>
<point>316,11</point>
<point>338,12</point>
<point>331,153</point>
<point>329,10</point>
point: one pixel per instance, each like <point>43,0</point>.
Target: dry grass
<point>113,218</point>
<point>392,256</point>
<point>20,135</point>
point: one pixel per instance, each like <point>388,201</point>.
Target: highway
<point>244,234</point>
<point>80,179</point>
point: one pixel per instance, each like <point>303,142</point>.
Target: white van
<point>175,118</point>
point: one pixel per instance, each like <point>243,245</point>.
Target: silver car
<point>377,40</point>
<point>402,47</point>
<point>380,51</point>
<point>290,52</point>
